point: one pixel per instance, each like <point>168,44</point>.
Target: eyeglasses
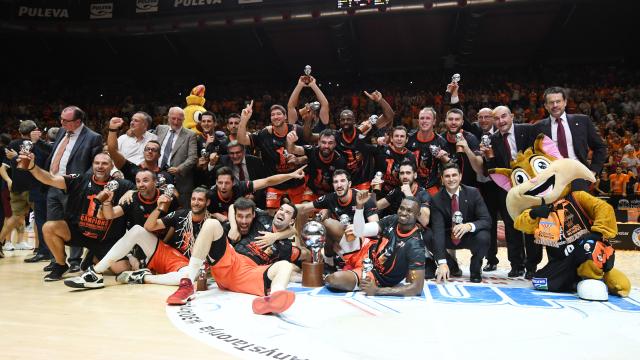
<point>65,121</point>
<point>151,150</point>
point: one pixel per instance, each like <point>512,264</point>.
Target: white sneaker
<point>88,280</point>
<point>23,246</point>
<point>133,277</point>
<point>8,246</point>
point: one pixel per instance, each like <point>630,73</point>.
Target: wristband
<point>33,167</point>
<point>114,130</point>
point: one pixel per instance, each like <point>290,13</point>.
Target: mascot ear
<point>502,177</point>
<point>544,144</point>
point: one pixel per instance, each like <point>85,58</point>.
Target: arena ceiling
<point>270,41</point>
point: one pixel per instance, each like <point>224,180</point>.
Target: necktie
<point>454,208</point>
<point>507,147</point>
<point>55,164</point>
<point>167,150</point>
<point>562,139</point>
<point>241,172</point>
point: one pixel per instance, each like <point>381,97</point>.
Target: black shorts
<point>98,248</point>
<point>56,204</point>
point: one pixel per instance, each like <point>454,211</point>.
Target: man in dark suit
<point>510,139</point>
<point>459,220</point>
<point>575,137</point>
<point>72,153</point>
<point>178,153</point>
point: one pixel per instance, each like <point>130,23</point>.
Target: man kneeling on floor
<point>398,255</point>
<point>236,272</point>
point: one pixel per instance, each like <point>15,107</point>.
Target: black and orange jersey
<point>137,211</point>
<point>185,234</point>
<point>358,155</point>
<point>219,205</point>
<point>388,160</point>
<point>337,207</point>
<point>279,250</point>
<point>129,170</point>
<point>82,208</point>
<point>320,170</point>
<point>396,253</point>
<point>428,166</point>
<point>395,196</point>
<point>469,176</point>
<point>272,148</point>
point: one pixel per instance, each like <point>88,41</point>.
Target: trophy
<point>314,235</point>
<point>456,219</point>
<point>201,282</point>
<point>168,191</point>
<point>378,177</point>
<point>367,266</point>
<point>346,221</point>
<point>455,78</point>
<point>203,153</point>
<point>162,181</point>
<point>315,106</point>
<point>307,75</point>
<point>459,148</point>
<point>486,142</point>
<point>25,149</point>
<point>111,186</point>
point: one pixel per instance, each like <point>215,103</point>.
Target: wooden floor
<point>42,320</point>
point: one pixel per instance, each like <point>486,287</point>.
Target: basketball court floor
<point>497,319</point>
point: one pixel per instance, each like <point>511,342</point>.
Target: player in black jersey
<point>84,224</point>
<point>265,239</point>
<point>322,160</point>
<point>151,155</point>
<point>161,258</point>
<point>272,142</point>
<point>420,143</point>
<point>389,157</point>
<point>226,190</point>
<point>391,201</point>
<point>468,159</point>
<point>399,254</point>
<point>320,117</point>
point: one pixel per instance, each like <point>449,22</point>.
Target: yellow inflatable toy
<point>574,225</point>
<point>194,109</point>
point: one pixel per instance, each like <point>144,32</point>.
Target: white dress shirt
<point>567,134</point>
<point>67,151</point>
<point>133,149</point>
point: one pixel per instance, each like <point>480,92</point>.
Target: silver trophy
<point>112,185</point>
<point>345,220</point>
<point>162,181</point>
<point>314,235</point>
<point>457,219</point>
<point>455,78</point>
<point>169,190</point>
<point>307,74</point>
<point>373,119</point>
<point>367,266</point>
<point>485,141</point>
<point>25,148</point>
<point>459,137</point>
<point>435,150</point>
<point>315,106</point>
<point>204,153</point>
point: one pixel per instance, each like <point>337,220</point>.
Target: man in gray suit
<point>178,153</point>
<point>72,153</point>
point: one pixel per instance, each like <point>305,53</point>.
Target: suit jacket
<point>525,135</point>
<point>471,206</point>
<point>89,144</point>
<point>584,137</point>
<point>255,166</point>
<point>183,156</point>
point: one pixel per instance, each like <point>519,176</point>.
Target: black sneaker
<point>88,280</point>
<point>50,266</point>
<point>57,272</point>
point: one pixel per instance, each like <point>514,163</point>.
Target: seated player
<point>398,255</point>
<point>408,187</point>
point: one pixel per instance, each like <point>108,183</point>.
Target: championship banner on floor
<point>325,325</point>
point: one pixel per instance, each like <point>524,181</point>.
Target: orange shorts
<point>238,273</point>
<point>275,195</point>
<point>166,259</point>
<point>364,186</point>
<point>353,261</point>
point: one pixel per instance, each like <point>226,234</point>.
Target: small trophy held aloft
<point>201,282</point>
<point>25,149</point>
<point>314,235</point>
<point>315,106</point>
<point>459,148</point>
<point>170,192</point>
<point>367,266</point>
<point>204,153</point>
<point>162,181</point>
<point>456,219</point>
<point>486,142</point>
<point>455,78</point>
<point>345,221</point>
<point>435,150</point>
<point>378,185</point>
<point>111,186</point>
<point>307,75</point>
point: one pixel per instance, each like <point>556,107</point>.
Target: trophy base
<point>23,164</point>
<point>312,274</point>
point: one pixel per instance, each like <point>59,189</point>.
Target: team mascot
<point>573,225</point>
<point>194,109</point>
